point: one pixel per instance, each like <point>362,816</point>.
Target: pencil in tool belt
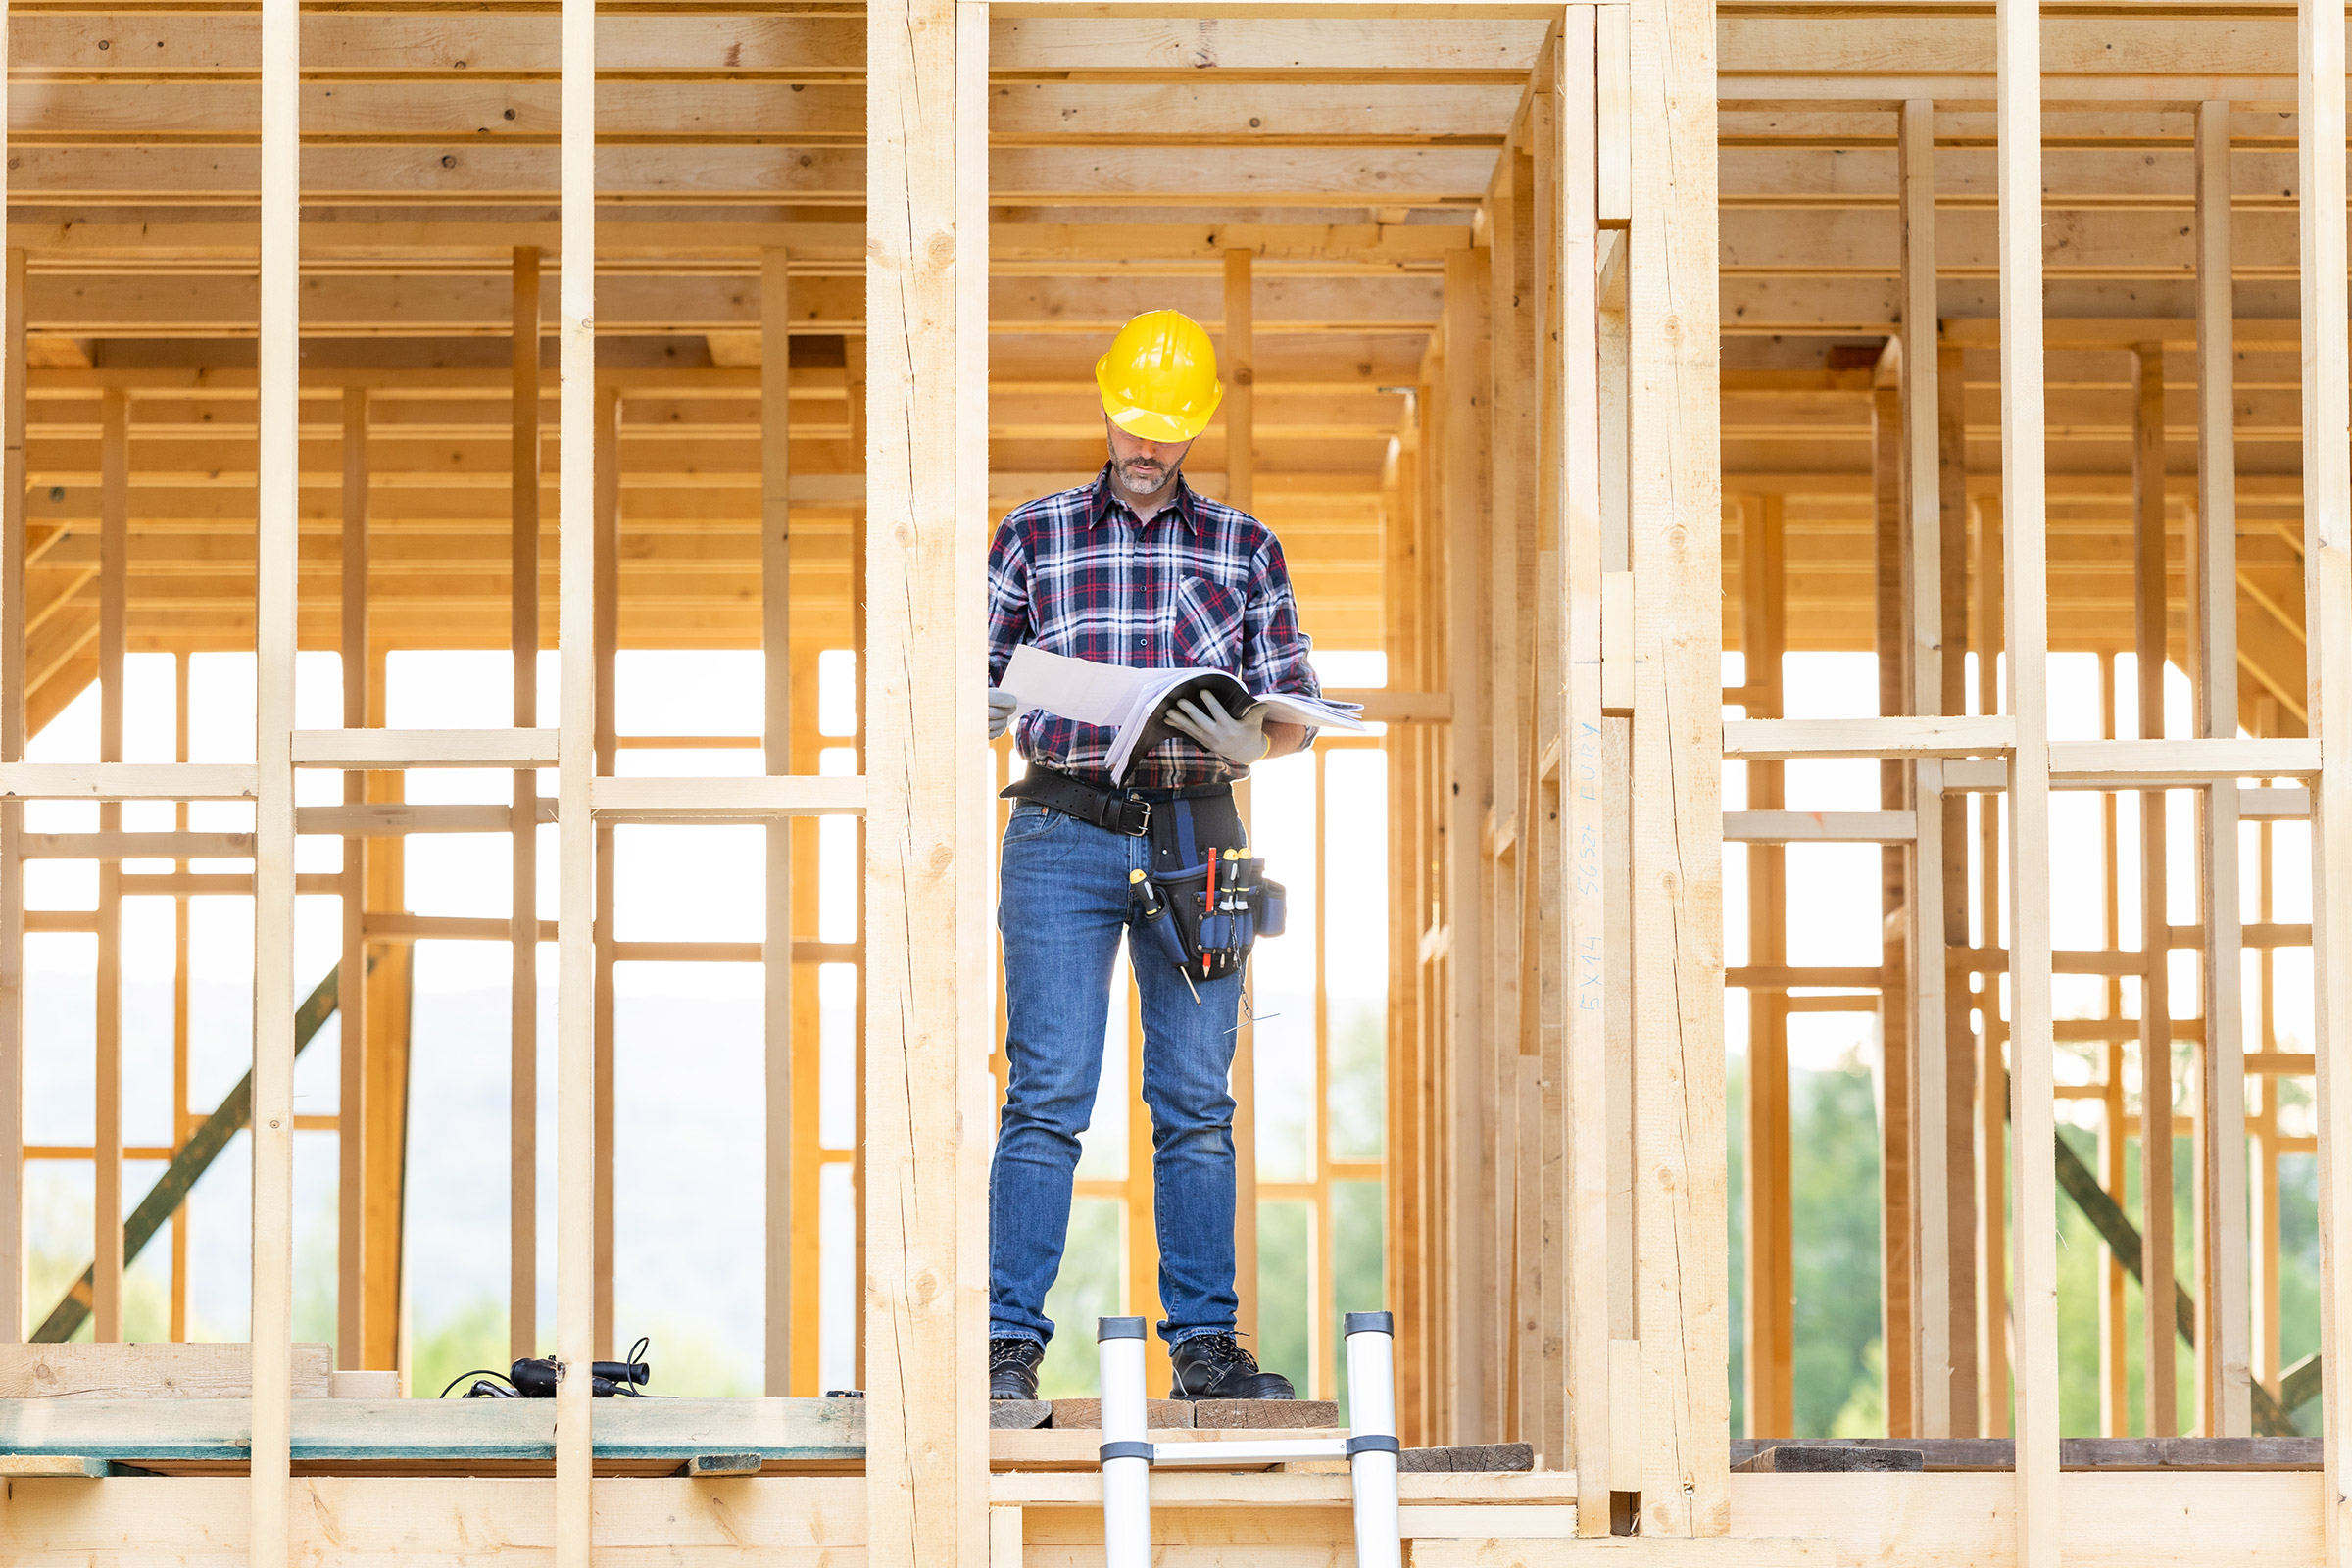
<point>1209,901</point>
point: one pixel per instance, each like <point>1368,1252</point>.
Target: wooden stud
<point>181,1122</point>
<point>1771,1293</point>
<point>1474,1274</point>
<point>1992,1080</point>
<point>2160,1380</point>
<point>385,1097</point>
<point>1898,1117</point>
<point>1925,868</point>
<point>276,595</point>
<point>114,550</point>
<point>2328,626</point>
<point>1958,1043</point>
<point>2224,1328</point>
<point>776,640</point>
<point>580,456</point>
<point>1675,433</point>
<point>522,1004</point>
<point>929,1011</point>
<point>605,421</point>
<point>1585,962</point>
<point>12,694</point>
<point>2032,1179</point>
<point>1240,408</point>
<point>352,1134</point>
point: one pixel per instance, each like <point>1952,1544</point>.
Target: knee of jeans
<point>1063,1111</point>
<point>1185,1108</point>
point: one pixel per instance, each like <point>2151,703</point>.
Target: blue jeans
<point>1066,901</point>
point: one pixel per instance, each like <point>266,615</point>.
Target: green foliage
<point>1833,1178</point>
<point>475,1337</point>
<point>1285,1256</point>
<point>1356,1279</point>
<point>1086,1289</point>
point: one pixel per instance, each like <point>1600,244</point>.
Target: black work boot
<point>1213,1366</point>
<point>1013,1368</point>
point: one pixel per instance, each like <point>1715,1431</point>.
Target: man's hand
<point>1002,707</point>
<point>1240,741</point>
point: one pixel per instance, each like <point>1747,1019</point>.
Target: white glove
<point>1002,707</point>
<point>1240,741</point>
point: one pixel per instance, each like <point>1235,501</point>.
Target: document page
<point>1078,689</point>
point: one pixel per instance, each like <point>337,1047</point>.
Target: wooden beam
<point>385,1104</point>
<point>1240,408</point>
<point>113,638</point>
<point>276,590</point>
<point>522,990</point>
<point>1926,933</point>
<point>776,640</point>
<point>1475,1277</point>
<point>580,459</point>
<point>1674,471</point>
<point>927,1092</point>
<point>12,702</point>
<point>1771,1285</point>
<point>2327,622</point>
<point>1898,1231</point>
<point>2159,1382</point>
<point>2223,1334</point>
<point>2034,1180</point>
<point>354,1134</point>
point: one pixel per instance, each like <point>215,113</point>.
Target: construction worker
<point>1132,568</point>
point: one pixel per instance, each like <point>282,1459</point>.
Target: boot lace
<point>1218,1354</point>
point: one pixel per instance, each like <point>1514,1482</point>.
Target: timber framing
<point>1570,345</point>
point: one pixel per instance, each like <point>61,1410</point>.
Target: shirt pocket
<point>1208,623</point>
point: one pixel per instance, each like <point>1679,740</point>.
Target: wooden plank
<point>127,781</point>
<point>926,1091</point>
<point>150,1371</point>
<point>521,746</point>
<point>2032,1182</point>
<point>1475,1279</point>
<point>1925,866</point>
<point>1584,1050</point>
<point>1668,1551</point>
<point>1930,735</point>
<point>1771,1296</point>
<point>775,640</point>
<point>2160,1381</point>
<point>353,1132</point>
<point>1239,407</point>
<point>606,574</point>
<point>1774,826</point>
<point>277,596</point>
<point>114,549</point>
<point>522,990</point>
<point>1898,1116</point>
<point>2328,624</point>
<point>581,462</point>
<point>1959,1045</point>
<point>384,1020</point>
<point>12,702</point>
<point>1673,466</point>
<point>2223,1335</point>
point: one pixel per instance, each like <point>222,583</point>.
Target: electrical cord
<point>477,1372</point>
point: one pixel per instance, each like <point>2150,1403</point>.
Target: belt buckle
<point>1144,828</point>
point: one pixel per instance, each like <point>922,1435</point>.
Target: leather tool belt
<point>1206,899</point>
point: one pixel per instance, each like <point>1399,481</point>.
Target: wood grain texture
<point>150,1371</point>
<point>928,1008</point>
<point>1674,472</point>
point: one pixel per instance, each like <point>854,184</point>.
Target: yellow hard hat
<point>1159,379</point>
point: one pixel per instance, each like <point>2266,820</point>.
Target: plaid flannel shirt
<point>1202,584</point>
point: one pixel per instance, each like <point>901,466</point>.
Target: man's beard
<point>1142,475</point>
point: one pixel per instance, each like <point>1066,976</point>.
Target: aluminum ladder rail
<point>1371,1449</point>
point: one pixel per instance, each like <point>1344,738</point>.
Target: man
<point>1135,568</point>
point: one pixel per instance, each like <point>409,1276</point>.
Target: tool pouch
<point>1208,900</point>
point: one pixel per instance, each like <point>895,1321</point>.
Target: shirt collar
<point>1105,501</point>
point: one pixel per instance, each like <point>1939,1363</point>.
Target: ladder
<point>1371,1450</point>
